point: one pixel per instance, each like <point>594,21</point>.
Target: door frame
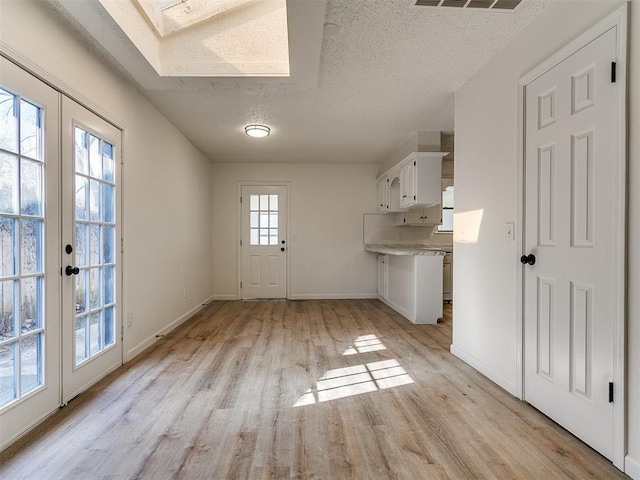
<point>239,186</point>
<point>618,20</point>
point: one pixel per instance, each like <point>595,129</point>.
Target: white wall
<point>486,270</point>
<point>166,181</point>
<point>327,259</point>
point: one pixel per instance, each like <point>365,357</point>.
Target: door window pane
<point>30,304</point>
<point>30,137</point>
<point>8,183</point>
<point>108,244</point>
<point>109,326</point>
<point>30,187</point>
<point>81,291</point>
<point>8,250</point>
<point>82,160</point>
<point>94,334</point>
<point>94,244</point>
<point>81,244</point>
<point>108,203</point>
<point>95,299</point>
<point>95,200</point>
<point>8,387</point>
<point>82,193</point>
<point>107,162</point>
<point>8,122</point>
<point>109,281</point>
<point>31,246</point>
<point>95,157</point>
<point>30,361</point>
<point>81,339</point>
<point>7,315</point>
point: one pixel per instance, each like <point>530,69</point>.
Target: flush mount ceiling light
<point>257,131</point>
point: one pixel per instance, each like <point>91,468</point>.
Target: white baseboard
<point>225,297</point>
<point>142,346</point>
<point>632,467</point>
<point>333,296</point>
<point>484,369</point>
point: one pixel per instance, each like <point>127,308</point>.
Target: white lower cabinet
<point>413,286</point>
<point>447,283</point>
<point>382,275</point>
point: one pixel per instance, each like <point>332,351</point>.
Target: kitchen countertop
<point>406,249</point>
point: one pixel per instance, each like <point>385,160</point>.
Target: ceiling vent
<point>495,5</point>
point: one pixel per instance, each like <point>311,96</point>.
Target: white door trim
<point>239,186</point>
<point>618,20</point>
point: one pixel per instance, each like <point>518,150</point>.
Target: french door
<point>59,256</point>
<point>29,255</point>
<point>263,248</point>
<point>91,339</point>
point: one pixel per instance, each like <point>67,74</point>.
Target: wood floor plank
<point>322,389</point>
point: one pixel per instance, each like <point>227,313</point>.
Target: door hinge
<point>122,333</point>
<point>122,245</point>
<point>414,164</point>
<point>241,199</point>
<point>240,242</point>
<point>241,285</point>
<point>613,72</point>
<point>610,392</point>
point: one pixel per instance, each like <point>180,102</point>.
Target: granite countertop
<point>406,249</point>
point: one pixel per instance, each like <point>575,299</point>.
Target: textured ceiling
<point>390,72</point>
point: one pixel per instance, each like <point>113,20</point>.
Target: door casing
<point>239,230</point>
<point>618,20</point>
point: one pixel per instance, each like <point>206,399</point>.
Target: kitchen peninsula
<point>410,279</point>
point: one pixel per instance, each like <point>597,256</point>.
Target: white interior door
<point>571,210</point>
<point>29,251</point>
<point>91,339</point>
<point>263,248</point>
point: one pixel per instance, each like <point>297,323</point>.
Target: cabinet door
<point>413,216</point>
<point>383,195</point>
<point>432,215</point>
<point>446,280</point>
<point>408,184</point>
<point>382,275</point>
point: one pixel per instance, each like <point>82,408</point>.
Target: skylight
<point>207,38</point>
<point>166,3</point>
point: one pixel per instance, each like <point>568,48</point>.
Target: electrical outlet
<point>129,319</point>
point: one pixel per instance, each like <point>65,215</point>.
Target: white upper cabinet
<point>420,179</point>
<point>384,194</point>
<point>419,186</point>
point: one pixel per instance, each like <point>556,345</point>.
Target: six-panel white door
<point>570,211</point>
<point>263,242</point>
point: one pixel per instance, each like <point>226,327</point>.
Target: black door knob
<point>71,270</point>
<point>282,249</point>
<point>528,259</point>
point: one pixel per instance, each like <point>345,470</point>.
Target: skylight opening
<point>167,3</point>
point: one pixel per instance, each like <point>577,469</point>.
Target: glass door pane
<point>22,255</point>
<point>94,227</point>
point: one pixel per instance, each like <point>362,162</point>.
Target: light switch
<point>509,232</point>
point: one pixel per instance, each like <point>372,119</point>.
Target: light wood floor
<point>264,390</point>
